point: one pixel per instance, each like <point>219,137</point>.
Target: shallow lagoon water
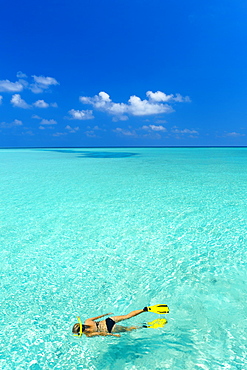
<point>89,231</point>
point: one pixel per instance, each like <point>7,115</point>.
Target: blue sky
<point>123,73</point>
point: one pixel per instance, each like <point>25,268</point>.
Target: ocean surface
<point>90,231</point>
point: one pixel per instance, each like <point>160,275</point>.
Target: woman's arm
<point>102,335</point>
<point>98,317</point>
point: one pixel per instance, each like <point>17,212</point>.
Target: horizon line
<point>117,147</point>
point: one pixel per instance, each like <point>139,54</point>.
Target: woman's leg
<point>124,329</point>
<point>126,317</point>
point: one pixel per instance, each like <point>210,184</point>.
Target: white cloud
<point>7,86</point>
<point>160,121</point>
<point>135,106</point>
<point>1,99</point>
<point>29,132</point>
<point>159,96</point>
<point>58,134</point>
<point>17,101</point>
<point>15,123</point>
<point>152,132</point>
<point>91,130</point>
<point>90,133</point>
<point>42,83</point>
<point>185,131</point>
<point>72,130</point>
<point>35,89</point>
<point>104,103</point>
<point>41,104</point>
<point>45,81</point>
<point>124,132</point>
<point>234,134</point>
<point>48,122</point>
<point>181,99</point>
<point>24,83</point>
<point>44,122</point>
<point>138,107</point>
<point>120,118</point>
<point>81,114</point>
<point>21,75</point>
<point>153,136</point>
<point>154,128</point>
<point>98,101</point>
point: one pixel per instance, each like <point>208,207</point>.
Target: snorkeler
<point>92,328</point>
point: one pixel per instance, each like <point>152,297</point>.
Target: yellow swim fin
<point>158,308</point>
<point>155,324</point>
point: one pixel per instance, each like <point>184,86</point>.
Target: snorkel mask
<point>80,331</point>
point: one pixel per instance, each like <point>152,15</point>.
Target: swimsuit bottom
<point>109,324</point>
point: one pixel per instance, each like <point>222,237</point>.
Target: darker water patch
<point>108,155</point>
<point>95,154</point>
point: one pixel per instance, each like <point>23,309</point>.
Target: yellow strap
<point>80,331</point>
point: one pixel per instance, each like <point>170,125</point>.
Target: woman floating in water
<point>93,328</point>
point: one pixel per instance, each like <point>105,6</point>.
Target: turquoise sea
<point>90,231</point>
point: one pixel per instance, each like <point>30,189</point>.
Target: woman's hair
<point>76,328</point>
